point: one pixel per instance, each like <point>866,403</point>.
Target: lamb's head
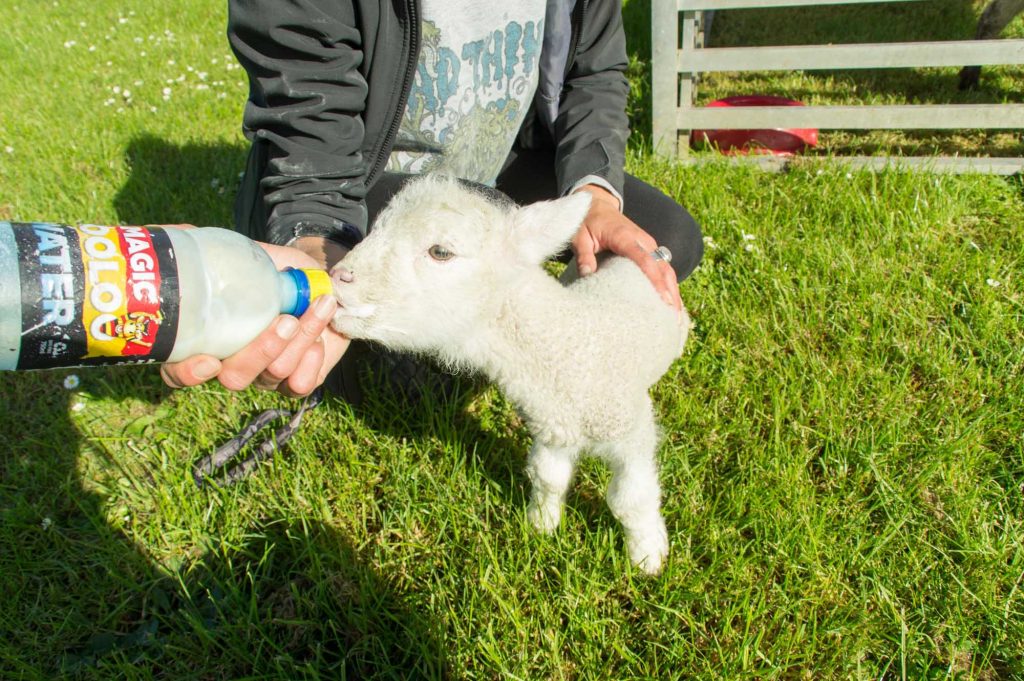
<point>440,261</point>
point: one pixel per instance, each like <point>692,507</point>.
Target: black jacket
<point>328,85</point>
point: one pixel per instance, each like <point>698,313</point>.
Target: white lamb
<point>451,273</point>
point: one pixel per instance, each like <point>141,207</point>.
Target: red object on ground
<point>777,141</point>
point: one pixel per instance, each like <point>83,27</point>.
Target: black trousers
<point>529,176</point>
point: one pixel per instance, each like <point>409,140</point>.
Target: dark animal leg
<point>993,20</point>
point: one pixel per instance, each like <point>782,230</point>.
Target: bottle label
<point>95,295</point>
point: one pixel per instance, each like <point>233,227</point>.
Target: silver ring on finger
<point>662,253</point>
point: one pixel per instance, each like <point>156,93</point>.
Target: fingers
<point>671,285</point>
<point>241,369</point>
<point>660,273</point>
<point>320,354</point>
<point>624,237</point>
<point>306,376</point>
<point>585,249</point>
<point>290,356</point>
<point>314,366</point>
<point>637,245</point>
<point>335,346</point>
<point>279,352</point>
<point>190,372</point>
<point>292,364</point>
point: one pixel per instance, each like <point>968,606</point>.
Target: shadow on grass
<point>80,598</point>
<point>450,410</point>
<point>171,184</point>
<point>467,415</point>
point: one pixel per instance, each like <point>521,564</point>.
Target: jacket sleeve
<point>592,126</point>
<point>303,116</point>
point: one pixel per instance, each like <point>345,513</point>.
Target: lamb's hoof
<point>648,550</point>
<point>543,517</point>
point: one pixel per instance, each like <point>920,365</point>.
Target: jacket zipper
<point>578,17</point>
<point>410,70</point>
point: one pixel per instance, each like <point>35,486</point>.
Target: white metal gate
<point>679,55</point>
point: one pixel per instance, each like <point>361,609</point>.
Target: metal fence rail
<point>679,56</point>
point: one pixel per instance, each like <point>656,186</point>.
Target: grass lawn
<point>843,464</point>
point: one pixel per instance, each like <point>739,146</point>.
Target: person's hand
<point>606,229</point>
<point>292,356</point>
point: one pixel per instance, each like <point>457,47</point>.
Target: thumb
<point>190,371</point>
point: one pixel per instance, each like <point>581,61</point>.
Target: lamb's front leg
<point>550,470</point>
<point>634,496</point>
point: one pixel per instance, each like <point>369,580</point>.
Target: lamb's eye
<point>440,253</point>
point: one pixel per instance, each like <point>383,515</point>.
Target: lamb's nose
<point>342,275</point>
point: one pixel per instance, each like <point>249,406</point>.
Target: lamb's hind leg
<point>634,495</point>
<point>550,470</point>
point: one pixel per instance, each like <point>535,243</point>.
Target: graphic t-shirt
<point>476,77</point>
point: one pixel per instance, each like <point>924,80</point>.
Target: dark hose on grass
<point>209,465</point>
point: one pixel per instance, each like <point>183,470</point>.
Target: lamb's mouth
<point>351,319</point>
<point>356,311</point>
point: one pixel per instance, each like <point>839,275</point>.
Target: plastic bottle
<point>76,296</point>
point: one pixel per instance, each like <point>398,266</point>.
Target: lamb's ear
<point>543,230</point>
